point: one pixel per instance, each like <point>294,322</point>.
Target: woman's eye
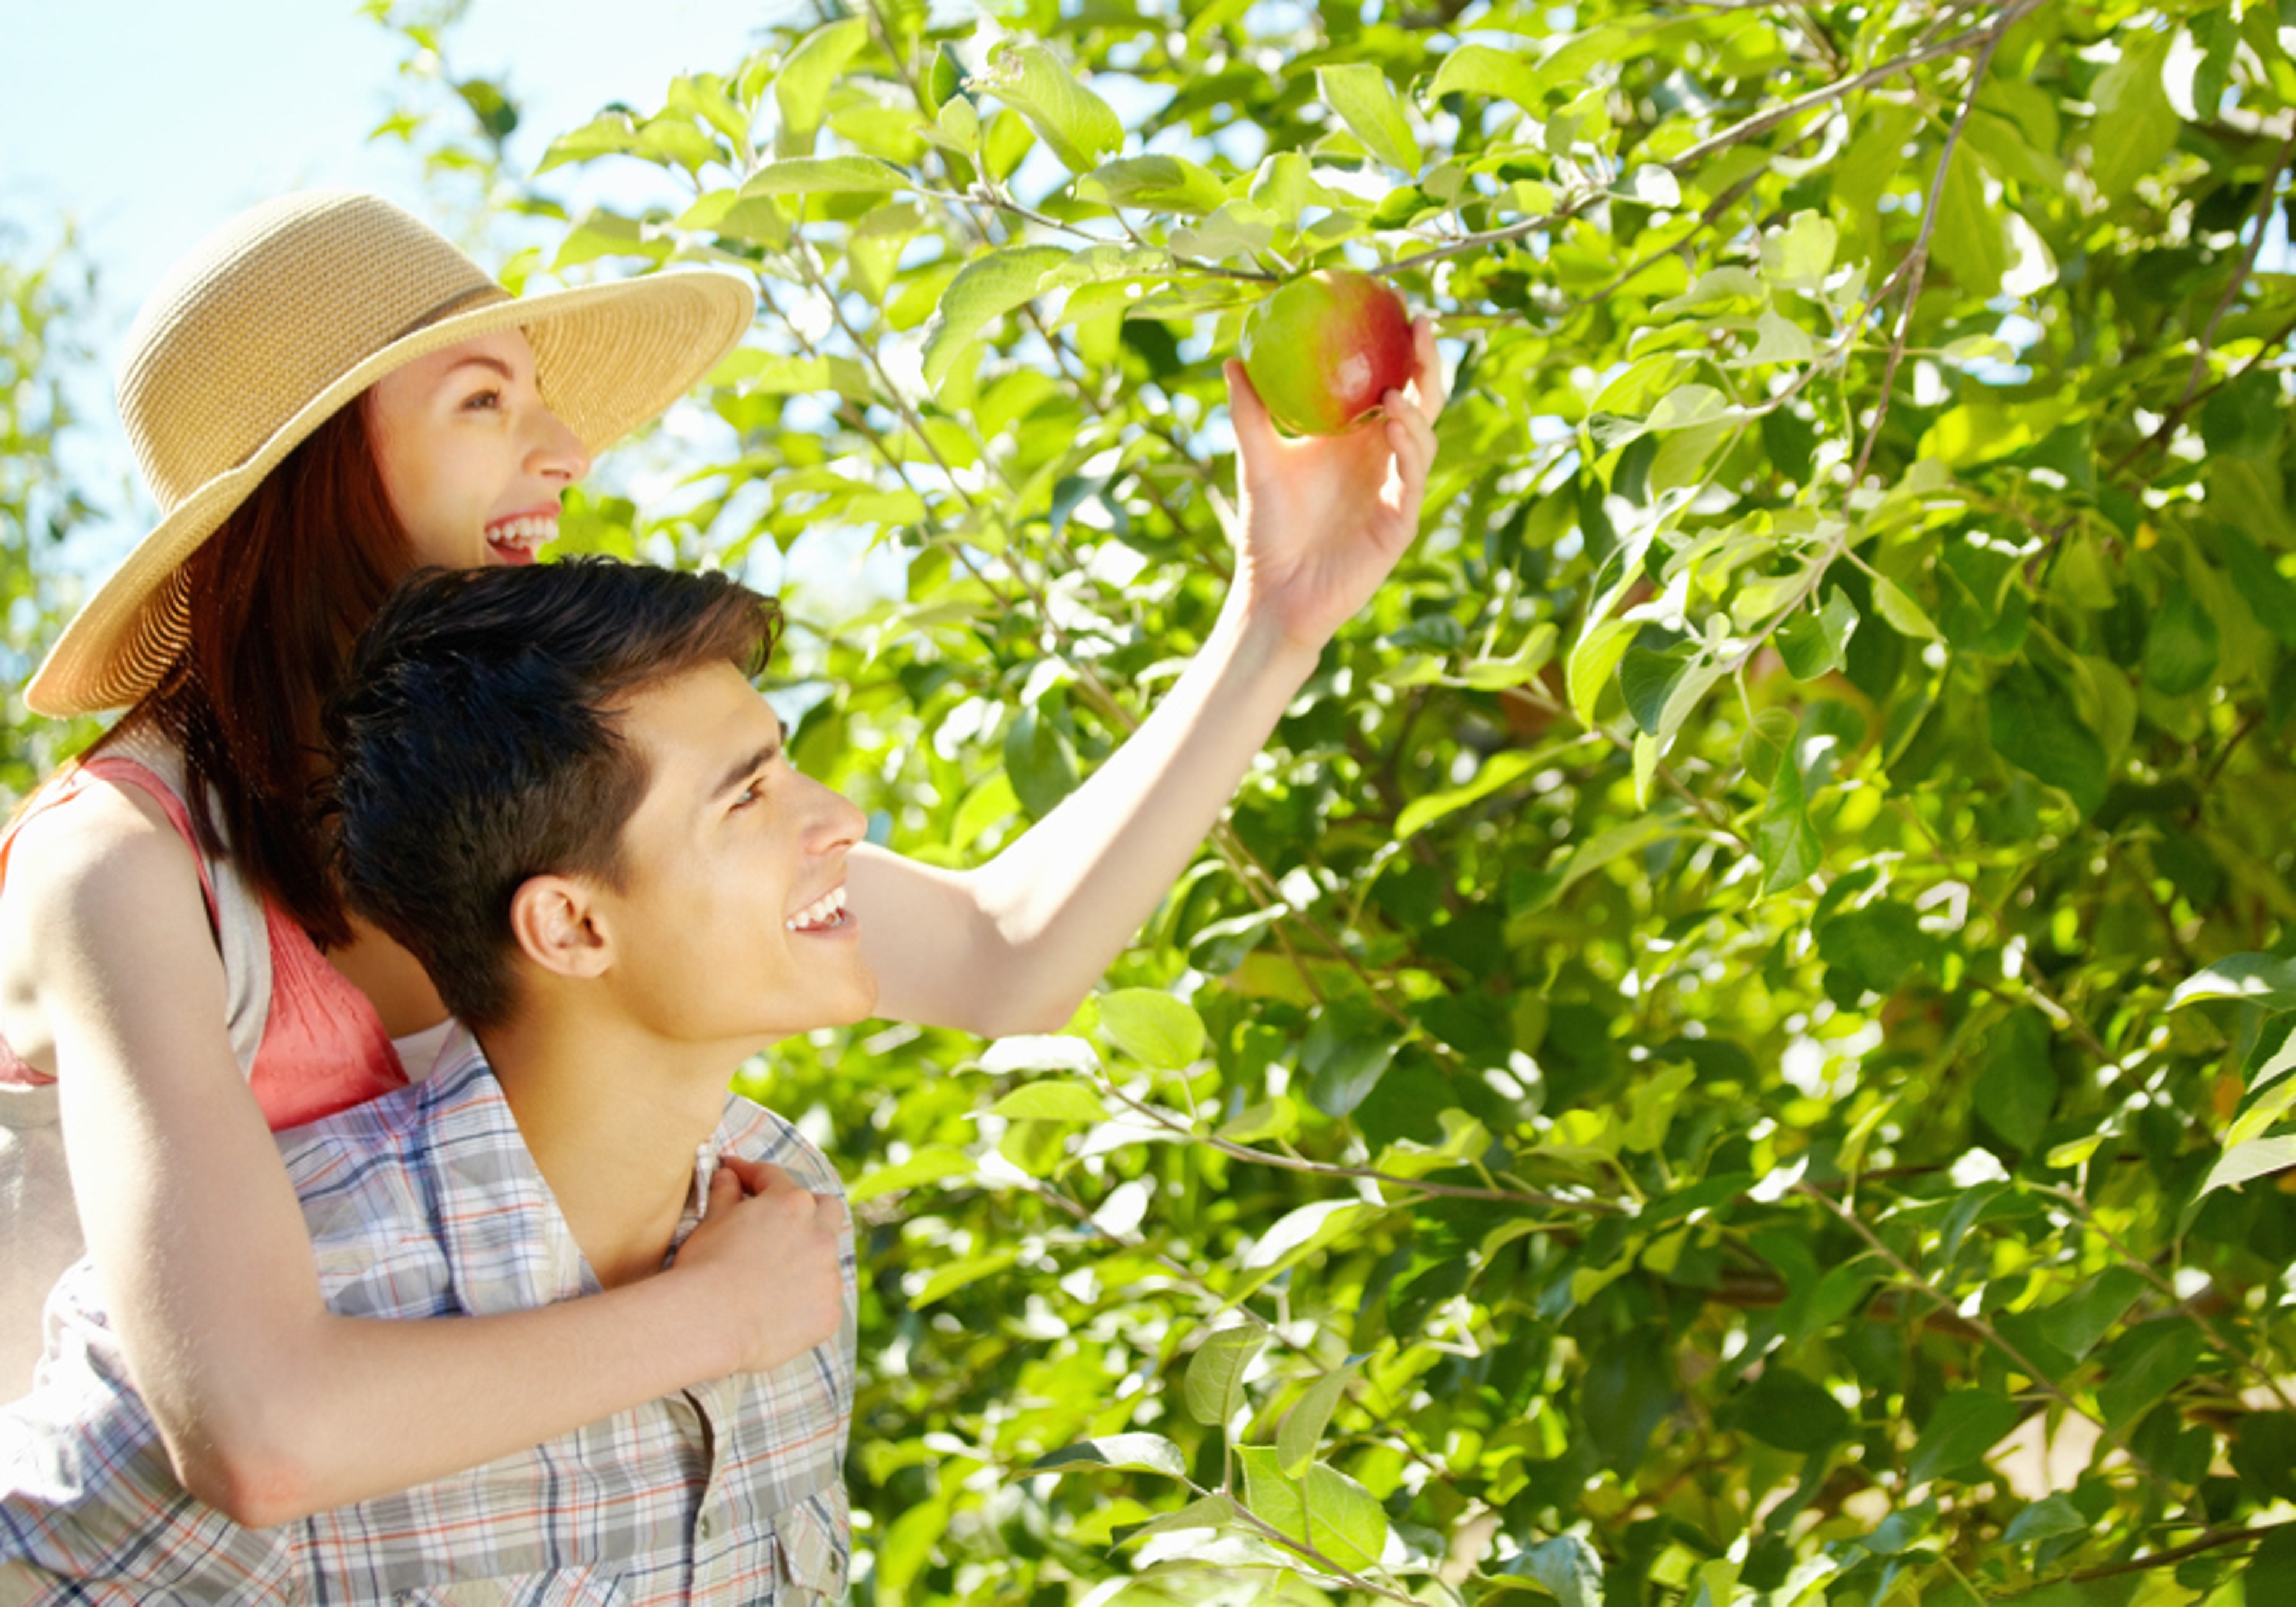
<point>483,401</point>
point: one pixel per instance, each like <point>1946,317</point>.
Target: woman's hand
<point>1325,519</point>
<point>774,1251</point>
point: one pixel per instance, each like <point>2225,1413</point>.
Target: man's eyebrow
<point>738,775</point>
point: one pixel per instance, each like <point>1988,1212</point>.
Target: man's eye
<point>750,794</point>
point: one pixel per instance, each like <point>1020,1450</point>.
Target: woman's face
<point>473,460</point>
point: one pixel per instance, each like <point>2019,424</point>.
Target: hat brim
<point>608,357</point>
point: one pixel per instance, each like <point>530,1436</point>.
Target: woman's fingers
<point>1255,431</point>
<point>1427,385</point>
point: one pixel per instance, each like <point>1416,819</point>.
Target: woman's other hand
<point>772,1250</point>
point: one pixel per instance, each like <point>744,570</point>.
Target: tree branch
<point>1737,134</point>
<point>1920,258</point>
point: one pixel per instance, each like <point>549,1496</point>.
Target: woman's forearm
<point>347,1408</point>
<point>270,1406</point>
<point>1014,944</point>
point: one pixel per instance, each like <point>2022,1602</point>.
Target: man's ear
<point>555,922</point>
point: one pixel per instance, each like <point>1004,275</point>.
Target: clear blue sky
<point>147,122</point>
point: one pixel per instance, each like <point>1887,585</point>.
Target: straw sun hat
<point>289,311</point>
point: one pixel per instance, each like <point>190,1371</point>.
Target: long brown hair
<point>277,596</point>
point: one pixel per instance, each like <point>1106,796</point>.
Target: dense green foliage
<point>1734,1049</point>
<point>42,302</point>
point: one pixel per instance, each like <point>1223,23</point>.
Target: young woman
<point>322,396</point>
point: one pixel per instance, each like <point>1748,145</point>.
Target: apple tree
<point>1734,1047</point>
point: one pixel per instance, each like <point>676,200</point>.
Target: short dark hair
<point>475,743</point>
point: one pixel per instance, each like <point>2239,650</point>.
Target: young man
<point>558,788</point>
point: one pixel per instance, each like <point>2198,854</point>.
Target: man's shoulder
<point>754,1133</point>
<point>369,1180</point>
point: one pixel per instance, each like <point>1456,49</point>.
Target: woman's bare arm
<point>1013,946</point>
<point>270,1406</point>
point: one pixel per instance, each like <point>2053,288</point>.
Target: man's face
<point>730,925</point>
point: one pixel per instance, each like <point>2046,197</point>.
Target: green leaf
<point>1050,1101</point>
<point>2034,726</point>
<point>1647,677</point>
<point>1570,1568</point>
<point>2016,1086</point>
<point>2271,594</point>
<point>1152,1453</point>
<point>1784,840</point>
<point>985,290</point>
<point>2143,1365</point>
<point>1500,770</point>
<point>2264,1451</point>
<point>1963,1427</point>
<point>1277,1117</point>
<point>929,1164</point>
<point>1814,642</point>
<point>1799,255</point>
<point>1877,947</point>
<point>1592,660</point>
<point>2075,1324</point>
<point>2246,1161</point>
<point>1165,183</point>
<point>1153,1026</point>
<point>1971,242</point>
<point>2270,1574</point>
<point>1359,93</point>
<point>1901,612</point>
<point>612,134</point>
<point>2045,1520</point>
<point>2266,979</point>
<point>1205,1512</point>
<point>802,84</point>
<point>1214,1385</point>
<point>1485,71</point>
<point>1076,125</point>
<point>1303,1425</point>
<point>2180,647</point>
<point>1787,1409</point>
<point>1328,1510</point>
<point>1298,1232</point>
<point>1346,1054</point>
<point>2135,124</point>
<point>826,176</point>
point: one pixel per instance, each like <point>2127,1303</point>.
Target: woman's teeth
<point>525,534</point>
<point>822,915</point>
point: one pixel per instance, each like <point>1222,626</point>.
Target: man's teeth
<point>827,911</point>
<point>529,532</point>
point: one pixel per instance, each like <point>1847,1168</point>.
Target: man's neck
<point>612,1117</point>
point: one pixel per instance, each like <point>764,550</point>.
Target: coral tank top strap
<point>322,1047</point>
<point>63,790</point>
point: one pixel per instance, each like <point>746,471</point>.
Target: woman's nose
<point>557,451</point>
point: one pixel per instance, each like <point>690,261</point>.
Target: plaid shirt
<point>426,1203</point>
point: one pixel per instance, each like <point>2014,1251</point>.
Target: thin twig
<point>2212,1541</point>
<point>1920,258</point>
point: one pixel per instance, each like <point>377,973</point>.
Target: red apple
<point>1324,348</point>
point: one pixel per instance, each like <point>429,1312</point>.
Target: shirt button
<point>707,1527</point>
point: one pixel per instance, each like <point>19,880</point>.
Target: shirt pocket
<point>813,1544</point>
